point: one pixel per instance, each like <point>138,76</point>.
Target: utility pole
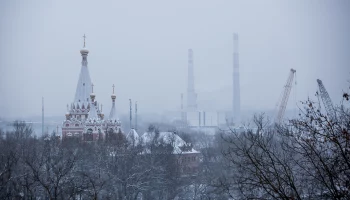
<point>130,114</point>
<point>42,115</point>
<point>136,115</point>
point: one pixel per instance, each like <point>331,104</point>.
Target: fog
<point>141,47</point>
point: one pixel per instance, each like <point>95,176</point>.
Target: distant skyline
<point>141,48</point>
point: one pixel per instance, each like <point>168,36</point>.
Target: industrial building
<point>196,118</point>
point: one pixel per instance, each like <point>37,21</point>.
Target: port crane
<point>287,89</point>
<point>327,102</point>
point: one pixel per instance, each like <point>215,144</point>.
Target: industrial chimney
<point>191,94</point>
<point>236,87</point>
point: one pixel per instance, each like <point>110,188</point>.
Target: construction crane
<point>327,102</point>
<point>287,89</point>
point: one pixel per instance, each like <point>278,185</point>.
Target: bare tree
<point>256,165</point>
<point>323,146</point>
<point>51,167</point>
<point>307,158</point>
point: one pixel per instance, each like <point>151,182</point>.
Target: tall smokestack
<point>236,87</point>
<point>182,109</point>
<point>191,94</point>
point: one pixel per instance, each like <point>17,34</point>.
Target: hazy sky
<point>141,47</point>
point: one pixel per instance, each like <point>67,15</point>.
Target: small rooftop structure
<point>168,138</point>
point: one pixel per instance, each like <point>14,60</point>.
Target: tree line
<point>305,158</point>
<point>47,168</point>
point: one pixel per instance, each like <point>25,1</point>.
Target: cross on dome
<point>84,39</point>
<point>113,95</point>
<point>84,51</point>
<point>92,87</point>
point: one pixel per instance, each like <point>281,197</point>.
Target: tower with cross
<point>85,114</point>
<point>113,124</point>
<point>113,114</point>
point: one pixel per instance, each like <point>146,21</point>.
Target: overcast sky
<point>141,47</point>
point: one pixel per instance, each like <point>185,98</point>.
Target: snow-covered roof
<point>84,86</point>
<point>132,137</point>
<point>84,51</point>
<point>168,138</point>
<point>191,151</point>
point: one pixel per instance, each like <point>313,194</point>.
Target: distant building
<point>207,121</point>
<point>187,157</point>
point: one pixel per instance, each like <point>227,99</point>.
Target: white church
<point>84,118</point>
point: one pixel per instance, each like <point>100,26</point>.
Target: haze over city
<point>141,47</point>
<point>200,100</point>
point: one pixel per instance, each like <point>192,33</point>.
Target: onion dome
<point>84,51</point>
<point>92,96</point>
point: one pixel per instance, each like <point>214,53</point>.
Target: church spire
<point>93,113</point>
<point>113,95</point>
<point>84,85</point>
<point>113,113</point>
